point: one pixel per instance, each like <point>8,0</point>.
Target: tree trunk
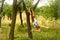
<point>0,16</point>
<point>28,21</point>
<point>58,8</point>
<point>1,10</point>
<point>21,20</point>
<point>29,26</point>
<point>0,22</point>
<point>11,35</point>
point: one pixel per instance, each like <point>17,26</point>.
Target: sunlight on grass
<point>21,33</point>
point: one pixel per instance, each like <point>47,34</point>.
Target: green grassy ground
<point>53,33</point>
<point>21,33</point>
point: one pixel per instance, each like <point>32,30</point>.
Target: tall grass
<point>21,33</point>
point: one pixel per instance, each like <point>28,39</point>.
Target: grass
<point>21,33</point>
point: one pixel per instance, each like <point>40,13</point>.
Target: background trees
<point>48,10</point>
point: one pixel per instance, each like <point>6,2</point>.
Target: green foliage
<point>28,3</point>
<point>48,11</point>
<point>7,9</point>
<point>37,11</point>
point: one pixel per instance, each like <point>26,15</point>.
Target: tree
<point>58,7</point>
<point>28,21</point>
<point>11,35</point>
<point>20,9</point>
<point>21,19</point>
<point>54,5</point>
<point>1,10</point>
<point>28,4</point>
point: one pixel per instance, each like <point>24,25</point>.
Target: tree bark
<point>11,35</point>
<point>58,8</point>
<point>0,22</point>
<point>29,26</point>
<point>19,5</point>
<point>1,10</point>
<point>28,21</point>
<point>21,20</point>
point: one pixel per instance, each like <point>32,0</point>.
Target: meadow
<point>21,33</point>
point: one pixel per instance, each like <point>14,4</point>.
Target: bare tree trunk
<point>28,21</point>
<point>20,10</point>
<point>29,26</point>
<point>21,19</point>
<point>0,22</point>
<point>1,10</point>
<point>11,36</point>
<point>58,8</point>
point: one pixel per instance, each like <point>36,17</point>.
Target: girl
<point>36,25</point>
<point>34,20</point>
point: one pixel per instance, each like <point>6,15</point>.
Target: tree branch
<point>28,20</point>
<point>19,3</point>
<point>36,5</point>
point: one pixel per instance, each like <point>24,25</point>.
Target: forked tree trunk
<point>11,35</point>
<point>28,21</point>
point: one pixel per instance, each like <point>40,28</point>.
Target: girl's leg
<point>38,30</point>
